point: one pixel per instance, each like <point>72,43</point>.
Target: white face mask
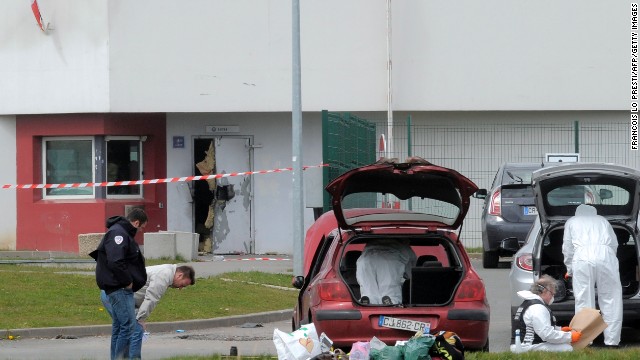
<point>551,301</point>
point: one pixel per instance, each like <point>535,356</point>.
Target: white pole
<point>389,88</point>
<point>296,136</point>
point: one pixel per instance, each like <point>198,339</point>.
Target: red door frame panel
<point>54,225</point>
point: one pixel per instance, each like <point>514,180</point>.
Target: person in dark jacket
<point>120,272</point>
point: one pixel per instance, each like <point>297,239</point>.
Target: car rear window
<point>594,194</point>
<point>611,195</point>
<point>426,250</point>
<point>422,209</point>
<point>517,175</point>
<point>517,192</point>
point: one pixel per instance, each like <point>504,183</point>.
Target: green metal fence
<point>348,142</point>
<point>476,143</point>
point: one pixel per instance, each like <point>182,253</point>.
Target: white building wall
<point>65,70</point>
<point>210,62</point>
<point>272,204</point>
<point>511,55</point>
<point>226,56</point>
<point>8,175</point>
<point>465,55</point>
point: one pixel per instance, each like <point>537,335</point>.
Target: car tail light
<point>525,261</point>
<point>471,290</point>
<point>495,205</point>
<point>333,290</point>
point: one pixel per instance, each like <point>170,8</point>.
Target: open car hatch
<point>412,193</point>
<point>612,189</point>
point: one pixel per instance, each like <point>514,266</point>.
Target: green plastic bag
<point>417,348</point>
<point>387,353</point>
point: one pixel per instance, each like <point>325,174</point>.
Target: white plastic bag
<point>360,350</point>
<point>301,344</point>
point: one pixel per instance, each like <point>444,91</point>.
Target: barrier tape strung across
<point>258,259</point>
<point>151,181</point>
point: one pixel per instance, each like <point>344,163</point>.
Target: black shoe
<point>364,300</point>
<point>386,300</point>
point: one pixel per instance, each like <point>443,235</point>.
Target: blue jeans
<point>123,313</point>
<point>135,345</point>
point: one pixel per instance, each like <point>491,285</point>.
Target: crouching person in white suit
<point>534,318</point>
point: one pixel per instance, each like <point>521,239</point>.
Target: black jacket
<point>118,257</point>
<point>518,321</point>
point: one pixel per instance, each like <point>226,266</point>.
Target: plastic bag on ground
<point>417,348</point>
<point>301,344</point>
<point>360,350</point>
<point>387,353</point>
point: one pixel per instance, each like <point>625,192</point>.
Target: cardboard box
<point>590,323</point>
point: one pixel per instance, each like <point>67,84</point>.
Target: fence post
<point>576,134</point>
<point>409,136</point>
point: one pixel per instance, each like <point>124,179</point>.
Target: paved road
<point>251,340</point>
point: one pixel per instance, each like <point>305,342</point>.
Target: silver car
<point>614,191</point>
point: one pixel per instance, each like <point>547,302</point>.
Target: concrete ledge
<point>88,242</point>
<point>105,330</point>
<point>27,254</point>
<point>171,244</point>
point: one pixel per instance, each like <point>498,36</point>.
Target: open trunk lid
<point>413,193</point>
<point>611,189</point>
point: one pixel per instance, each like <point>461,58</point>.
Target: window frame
<point>47,139</point>
<point>99,161</point>
<point>140,141</point>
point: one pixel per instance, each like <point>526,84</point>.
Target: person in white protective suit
<point>382,268</point>
<point>589,250</point>
<point>538,330</point>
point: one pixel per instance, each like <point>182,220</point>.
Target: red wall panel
<point>54,225</point>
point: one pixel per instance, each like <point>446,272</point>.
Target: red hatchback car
<point>394,227</point>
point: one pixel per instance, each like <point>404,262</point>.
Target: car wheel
<point>490,259</point>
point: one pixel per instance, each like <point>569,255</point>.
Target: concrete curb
<point>105,330</point>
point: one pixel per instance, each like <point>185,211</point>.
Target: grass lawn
<point>36,296</point>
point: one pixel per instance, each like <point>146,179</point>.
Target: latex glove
<point>575,336</point>
<point>566,328</point>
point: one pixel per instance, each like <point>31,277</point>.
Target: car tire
<point>490,259</point>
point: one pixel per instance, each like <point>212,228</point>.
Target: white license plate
<point>530,210</point>
<point>404,324</point>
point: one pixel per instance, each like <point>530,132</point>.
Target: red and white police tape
<point>151,181</point>
<point>257,259</point>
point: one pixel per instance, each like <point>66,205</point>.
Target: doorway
<point>222,207</point>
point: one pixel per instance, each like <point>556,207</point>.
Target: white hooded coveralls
<point>536,317</point>
<point>589,249</point>
<point>381,268</point>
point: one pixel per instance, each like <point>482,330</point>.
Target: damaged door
<point>232,202</point>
